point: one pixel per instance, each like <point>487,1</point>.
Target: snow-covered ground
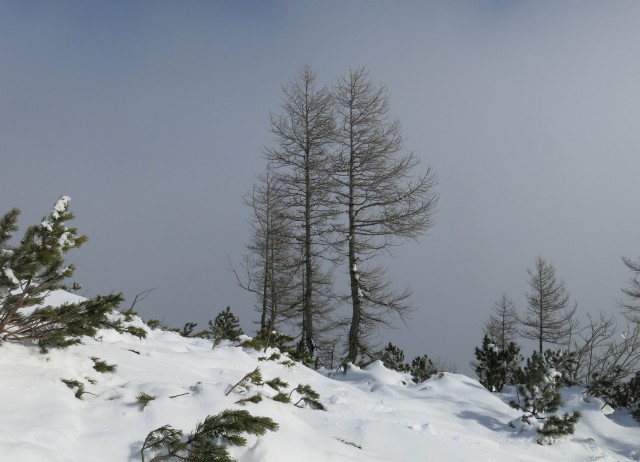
<point>371,415</point>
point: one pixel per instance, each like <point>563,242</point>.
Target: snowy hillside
<point>371,415</point>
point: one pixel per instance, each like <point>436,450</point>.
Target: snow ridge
<point>372,414</point>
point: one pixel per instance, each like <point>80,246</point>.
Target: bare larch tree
<point>272,264</point>
<point>547,318</point>
<point>380,200</point>
<point>502,326</point>
<point>303,133</point>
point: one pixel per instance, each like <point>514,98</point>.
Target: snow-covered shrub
<point>539,390</point>
<point>563,362</point>
<point>282,343</point>
<point>555,428</point>
<point>270,339</point>
<point>32,269</point>
<point>540,397</point>
<point>622,395</point>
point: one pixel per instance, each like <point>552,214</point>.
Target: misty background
<point>151,116</point>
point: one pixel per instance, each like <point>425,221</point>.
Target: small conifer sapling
<point>226,326</point>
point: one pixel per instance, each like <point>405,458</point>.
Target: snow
<point>65,239</point>
<point>8,272</point>
<point>60,206</point>
<point>372,414</point>
<point>47,224</point>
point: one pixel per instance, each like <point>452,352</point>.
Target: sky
<point>151,116</point>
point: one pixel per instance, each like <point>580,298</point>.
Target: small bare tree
<point>273,266</point>
<point>547,319</point>
<point>380,200</point>
<point>502,326</point>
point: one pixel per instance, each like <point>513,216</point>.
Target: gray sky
<point>151,116</point>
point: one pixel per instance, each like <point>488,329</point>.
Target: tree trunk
<point>308,283</point>
<point>354,330</point>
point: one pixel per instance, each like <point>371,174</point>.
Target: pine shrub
<point>35,267</point>
<point>555,428</point>
<point>226,326</point>
<point>496,368</point>
<point>79,386</point>
<point>307,395</point>
<point>266,338</point>
<point>187,329</point>
<point>422,367</point>
<point>563,362</point>
<point>154,324</point>
<point>287,363</point>
<point>541,397</point>
<point>208,442</point>
<point>277,384</point>
<point>103,366</point>
<point>136,331</point>
<point>282,397</point>
<point>253,377</point>
<point>143,399</point>
<point>621,395</point>
<point>274,357</point>
<point>540,388</point>
<point>393,358</point>
<point>255,399</point>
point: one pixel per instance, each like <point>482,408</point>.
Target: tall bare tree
<point>303,133</point>
<point>380,199</point>
<point>502,326</point>
<point>548,319</point>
